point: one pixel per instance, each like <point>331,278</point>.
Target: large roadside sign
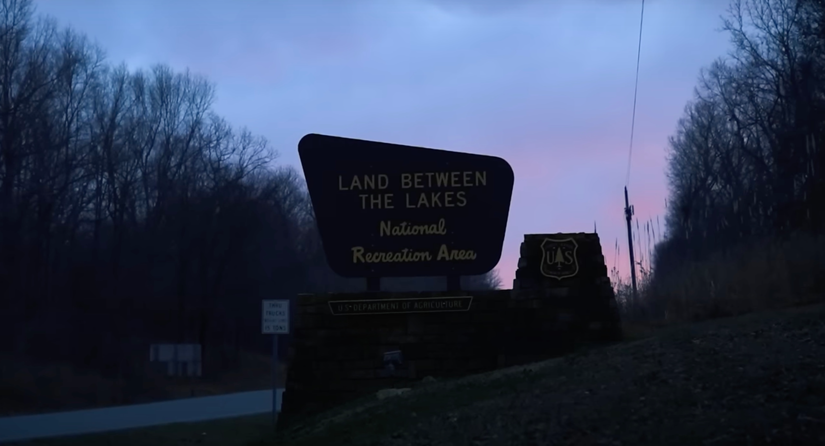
<point>389,210</point>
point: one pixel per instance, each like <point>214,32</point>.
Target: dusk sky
<point>545,84</point>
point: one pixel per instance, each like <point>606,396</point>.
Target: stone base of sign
<point>336,359</point>
<point>590,284</point>
<point>347,346</point>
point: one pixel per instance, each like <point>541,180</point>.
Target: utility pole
<point>628,215</point>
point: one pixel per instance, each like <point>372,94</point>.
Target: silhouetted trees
<point>131,213</point>
<point>747,160</point>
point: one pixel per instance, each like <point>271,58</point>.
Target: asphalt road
<point>29,427</point>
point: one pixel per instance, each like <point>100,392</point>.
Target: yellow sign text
<point>426,180</point>
<point>361,255</point>
<point>388,228</point>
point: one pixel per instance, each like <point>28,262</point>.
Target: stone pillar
<point>569,270</point>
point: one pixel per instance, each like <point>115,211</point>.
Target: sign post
<point>275,321</point>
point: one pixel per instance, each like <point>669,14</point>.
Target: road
<point>29,427</point>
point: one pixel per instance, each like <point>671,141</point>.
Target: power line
<point>635,94</point>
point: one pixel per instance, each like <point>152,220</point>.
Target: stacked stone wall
<point>339,347</point>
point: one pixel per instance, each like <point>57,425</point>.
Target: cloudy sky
<point>545,84</point>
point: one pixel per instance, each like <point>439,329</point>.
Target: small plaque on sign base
<point>393,362</point>
<point>400,306</point>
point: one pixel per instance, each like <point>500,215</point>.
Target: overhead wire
<point>635,95</point>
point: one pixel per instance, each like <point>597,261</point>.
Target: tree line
<point>131,213</point>
<point>746,162</point>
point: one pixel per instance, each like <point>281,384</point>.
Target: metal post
<point>275,368</point>
<point>275,321</point>
<point>628,214</point>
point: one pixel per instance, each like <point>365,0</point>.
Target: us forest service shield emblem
<point>558,258</point>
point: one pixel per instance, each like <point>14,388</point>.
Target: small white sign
<point>275,317</point>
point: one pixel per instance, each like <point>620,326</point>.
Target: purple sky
<point>545,84</point>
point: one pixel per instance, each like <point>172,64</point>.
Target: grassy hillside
<point>755,379</point>
<point>759,275</point>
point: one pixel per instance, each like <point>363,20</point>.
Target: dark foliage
<point>131,214</point>
<point>746,163</point>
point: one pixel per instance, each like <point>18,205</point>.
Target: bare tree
<point>744,161</point>
<point>130,213</point>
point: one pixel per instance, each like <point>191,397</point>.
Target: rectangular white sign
<point>275,317</point>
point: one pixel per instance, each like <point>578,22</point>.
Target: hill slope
<point>758,379</point>
<point>752,380</point>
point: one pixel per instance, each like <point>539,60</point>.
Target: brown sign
<point>558,258</point>
<point>400,306</point>
<point>388,210</point>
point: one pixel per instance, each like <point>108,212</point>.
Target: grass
<point>379,418</point>
<point>368,414</point>
<point>752,280</point>
<point>227,432</point>
<point>614,369</point>
<point>757,276</point>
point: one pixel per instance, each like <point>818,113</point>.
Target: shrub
<point>756,276</point>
